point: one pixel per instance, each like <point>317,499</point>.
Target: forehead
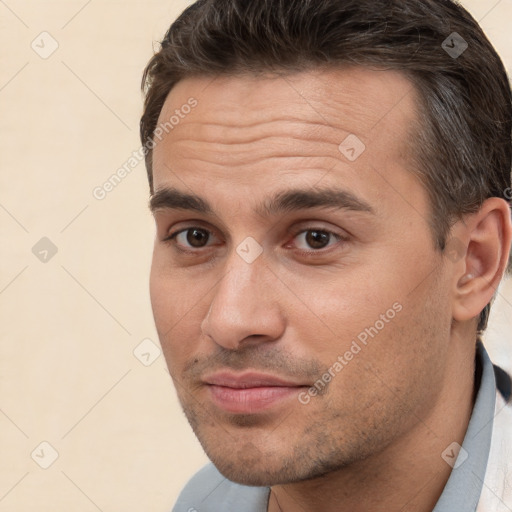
<point>264,129</point>
<point>335,96</point>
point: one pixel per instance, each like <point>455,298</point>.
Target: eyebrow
<point>169,198</point>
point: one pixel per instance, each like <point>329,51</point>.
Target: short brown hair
<point>463,147</point>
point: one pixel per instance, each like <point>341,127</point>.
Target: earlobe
<point>488,238</point>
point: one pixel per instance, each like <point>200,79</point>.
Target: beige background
<point>69,325</point>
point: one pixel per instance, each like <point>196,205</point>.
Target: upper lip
<point>248,380</point>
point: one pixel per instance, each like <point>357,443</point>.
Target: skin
<point>373,438</point>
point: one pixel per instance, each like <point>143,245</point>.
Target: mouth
<point>250,393</point>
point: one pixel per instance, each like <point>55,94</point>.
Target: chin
<point>251,476</point>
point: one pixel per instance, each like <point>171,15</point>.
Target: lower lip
<point>250,400</point>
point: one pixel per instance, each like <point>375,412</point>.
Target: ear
<point>486,237</point>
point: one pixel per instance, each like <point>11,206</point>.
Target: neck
<point>409,474</point>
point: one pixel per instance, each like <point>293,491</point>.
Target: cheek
<point>177,308</point>
<point>342,309</point>
<point>406,355</point>
<point>167,304</point>
<point>161,298</point>
<point>392,320</point>
<point>384,383</point>
<point>170,292</point>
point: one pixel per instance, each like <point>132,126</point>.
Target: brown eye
<point>196,237</point>
<point>316,239</point>
<point>190,238</point>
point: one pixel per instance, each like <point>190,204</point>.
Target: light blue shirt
<point>209,491</point>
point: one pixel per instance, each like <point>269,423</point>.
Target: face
<point>302,308</point>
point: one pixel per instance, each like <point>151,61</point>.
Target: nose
<point>244,308</point>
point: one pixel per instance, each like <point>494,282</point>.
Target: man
<point>330,183</point>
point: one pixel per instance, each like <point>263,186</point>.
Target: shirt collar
<point>464,486</point>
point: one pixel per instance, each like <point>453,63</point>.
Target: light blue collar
<point>463,489</point>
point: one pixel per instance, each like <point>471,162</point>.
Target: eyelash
<point>170,240</point>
